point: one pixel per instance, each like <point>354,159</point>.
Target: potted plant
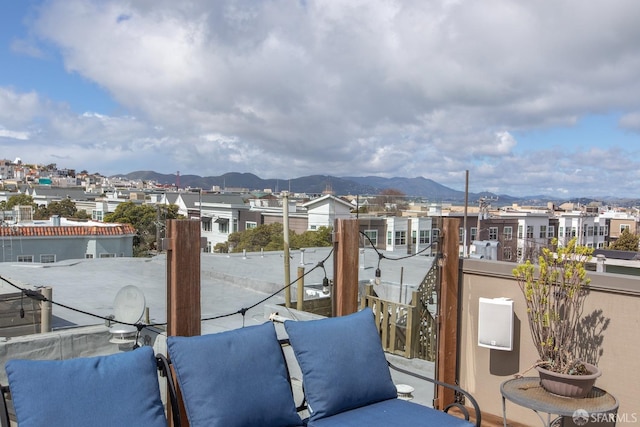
<point>554,294</point>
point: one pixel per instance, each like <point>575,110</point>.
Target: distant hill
<point>418,187</point>
<point>313,184</point>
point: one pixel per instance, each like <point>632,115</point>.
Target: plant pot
<point>577,386</point>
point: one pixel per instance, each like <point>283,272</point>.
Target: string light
<point>381,256</point>
<point>326,283</point>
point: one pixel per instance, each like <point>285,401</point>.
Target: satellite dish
<point>129,304</point>
<point>128,307</point>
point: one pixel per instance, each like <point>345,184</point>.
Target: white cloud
<point>631,121</point>
<point>20,135</point>
<point>381,87</point>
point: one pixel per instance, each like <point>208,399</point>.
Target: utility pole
<point>465,248</point>
<point>287,268</point>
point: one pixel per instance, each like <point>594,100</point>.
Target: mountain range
<point>418,187</point>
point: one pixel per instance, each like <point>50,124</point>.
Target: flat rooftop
<point>228,282</point>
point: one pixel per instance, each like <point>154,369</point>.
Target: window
<point>389,238</point>
<point>206,224</point>
<point>551,231</point>
<point>601,231</point>
<point>508,232</point>
<point>25,258</point>
<point>560,231</point>
<point>49,258</point>
<point>590,231</point>
<point>248,225</point>
<point>461,236</point>
<point>223,227</point>
<point>600,245</point>
<point>372,237</point>
<point>493,233</point>
<point>105,255</point>
<point>436,235</point>
<point>414,236</point>
<point>313,227</point>
<point>88,256</point>
<point>519,253</point>
<point>506,253</point>
<point>543,231</point>
<point>97,215</point>
<point>520,232</point>
<point>529,231</point>
<point>235,225</point>
<point>401,238</point>
<point>573,232</point>
<point>425,236</point>
<point>474,233</point>
<point>624,227</point>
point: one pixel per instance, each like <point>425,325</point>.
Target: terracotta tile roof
<point>39,231</point>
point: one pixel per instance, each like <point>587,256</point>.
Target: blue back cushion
<point>116,390</point>
<point>235,378</point>
<point>342,362</point>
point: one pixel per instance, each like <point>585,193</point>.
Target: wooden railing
<point>397,323</point>
<point>408,330</point>
<point>427,301</point>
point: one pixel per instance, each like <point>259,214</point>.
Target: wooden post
<point>448,312</point>
<point>45,309</point>
<point>300,288</point>
<point>183,246</point>
<point>345,258</point>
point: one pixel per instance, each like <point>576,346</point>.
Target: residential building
<point>585,227</point>
<point>61,239</point>
<point>618,221</point>
<point>323,211</point>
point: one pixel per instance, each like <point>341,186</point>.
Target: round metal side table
<point>527,392</point>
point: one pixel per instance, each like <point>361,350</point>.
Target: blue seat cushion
<point>234,378</point>
<point>342,362</point>
<point>116,390</point>
<point>391,413</point>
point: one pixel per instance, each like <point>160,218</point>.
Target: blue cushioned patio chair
<point>236,378</point>
<point>347,380</point>
<point>116,390</point>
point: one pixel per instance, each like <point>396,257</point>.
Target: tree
<point>626,242</point>
<point>313,238</point>
<point>145,219</point>
<point>265,236</point>
<point>270,237</point>
<point>391,200</point>
<point>19,200</point>
<point>65,208</point>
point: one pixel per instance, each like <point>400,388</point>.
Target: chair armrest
<point>164,366</point>
<point>456,388</point>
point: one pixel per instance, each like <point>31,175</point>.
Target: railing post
<point>183,246</point>
<point>413,326</point>
<point>345,297</point>
<point>448,312</point>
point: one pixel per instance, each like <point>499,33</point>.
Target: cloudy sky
<point>537,97</point>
